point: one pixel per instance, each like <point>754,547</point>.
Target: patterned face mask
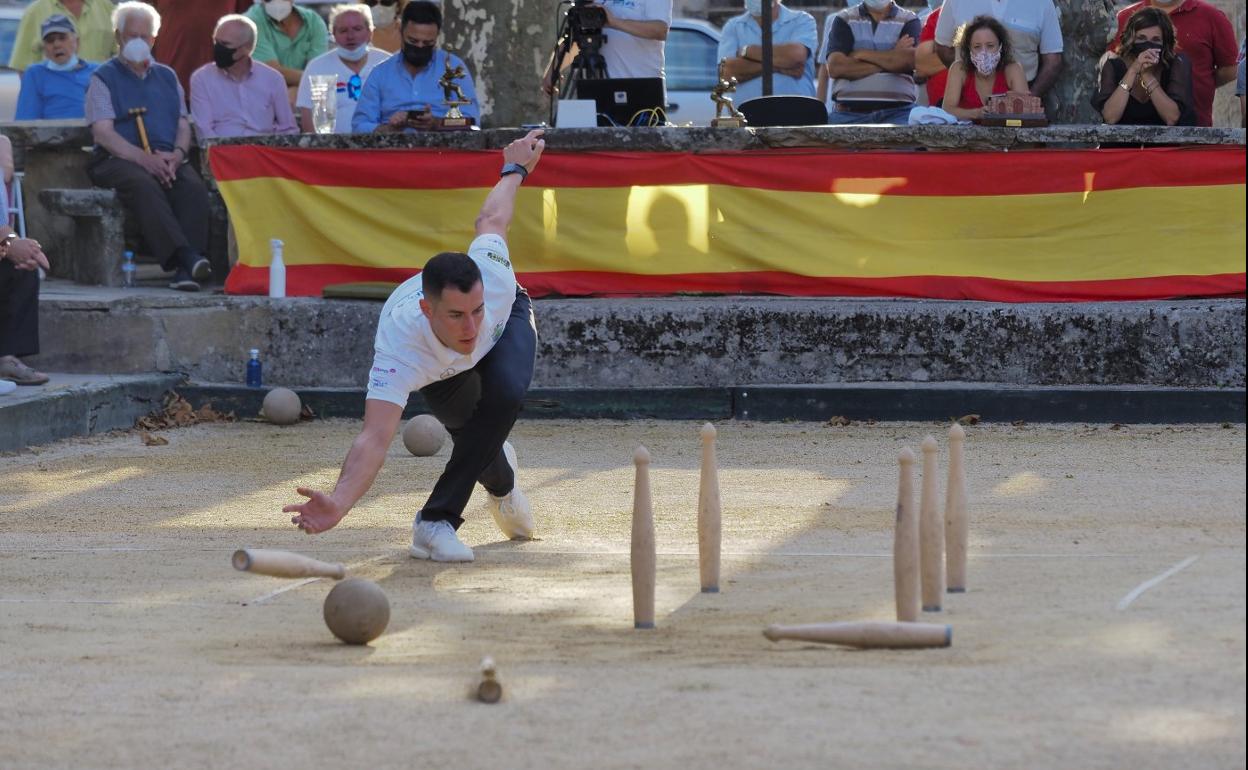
<point>986,61</point>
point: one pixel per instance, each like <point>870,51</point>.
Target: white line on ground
<point>1147,584</point>
<point>133,602</point>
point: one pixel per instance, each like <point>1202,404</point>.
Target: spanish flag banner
<point>1043,225</point>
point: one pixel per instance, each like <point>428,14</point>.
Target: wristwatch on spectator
<point>514,168</point>
<point>7,241</point>
<point>742,52</point>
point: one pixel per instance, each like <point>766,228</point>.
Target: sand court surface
<point>1104,625</point>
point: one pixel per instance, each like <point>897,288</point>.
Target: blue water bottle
<point>127,269</point>
<point>254,378</point>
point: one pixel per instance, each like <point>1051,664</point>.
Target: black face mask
<point>223,55</point>
<point>1144,45</point>
<point>417,55</point>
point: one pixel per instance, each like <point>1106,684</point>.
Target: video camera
<point>585,20</point>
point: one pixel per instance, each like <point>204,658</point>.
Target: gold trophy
<point>454,99</point>
<point>723,102</point>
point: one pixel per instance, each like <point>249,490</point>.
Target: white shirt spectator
<point>1034,26</point>
<point>408,355</point>
<point>628,56</point>
<point>349,84</point>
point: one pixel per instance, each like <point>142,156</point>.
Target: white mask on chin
<point>383,15</point>
<point>877,5</point>
<point>136,51</point>
<point>278,10</point>
<point>353,54</point>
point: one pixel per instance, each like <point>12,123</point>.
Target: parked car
<point>10,81</point>
<point>692,69</point>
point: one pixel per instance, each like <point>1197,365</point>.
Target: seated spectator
<point>55,88</point>
<point>928,67</point>
<point>402,93</point>
<point>91,18</point>
<point>235,95</point>
<point>148,169</point>
<point>20,262</point>
<point>387,15</point>
<point>287,38</point>
<point>871,58</point>
<point>182,43</point>
<point>350,64</point>
<point>1035,35</point>
<point>1148,83</point>
<point>1206,38</point>
<point>793,39</point>
<point>985,67</point>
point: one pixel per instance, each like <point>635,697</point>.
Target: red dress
<point>970,97</point>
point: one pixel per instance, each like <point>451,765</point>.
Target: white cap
<point>255,352</point>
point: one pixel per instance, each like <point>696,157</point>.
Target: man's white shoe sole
<point>418,552</point>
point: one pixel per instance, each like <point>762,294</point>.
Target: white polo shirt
<point>408,356</point>
<point>629,56</point>
<point>1034,25</point>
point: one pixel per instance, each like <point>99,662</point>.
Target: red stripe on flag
<point>310,280</point>
<point>820,171</point>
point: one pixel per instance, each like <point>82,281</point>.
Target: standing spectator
<point>20,262</point>
<point>1035,34</point>
<point>794,39</point>
<point>184,42</point>
<point>984,67</point>
<point>871,58</point>
<point>350,63</point>
<point>236,95</point>
<point>402,92</point>
<point>387,15</point>
<point>55,88</point>
<point>635,32</point>
<point>1206,38</point>
<point>1239,88</point>
<point>288,37</point>
<point>92,19</point>
<point>928,67</point>
<point>1148,83</point>
<point>157,186</point>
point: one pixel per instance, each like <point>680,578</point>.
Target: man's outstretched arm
<point>495,216</point>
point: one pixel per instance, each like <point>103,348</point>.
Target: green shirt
<point>272,44</point>
<point>95,32</point>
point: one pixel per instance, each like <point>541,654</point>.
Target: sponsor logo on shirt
<point>378,383</point>
<point>499,258</point>
<point>498,331</point>
<point>380,370</point>
<point>447,373</point>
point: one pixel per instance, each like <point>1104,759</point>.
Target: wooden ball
<point>281,407</point>
<point>424,435</point>
<point>357,611</point>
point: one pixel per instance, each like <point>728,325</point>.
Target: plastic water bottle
<point>254,375</point>
<point>127,269</point>
<point>277,270</point>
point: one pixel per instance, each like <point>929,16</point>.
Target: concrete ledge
<point>78,406</point>
<point>864,401</point>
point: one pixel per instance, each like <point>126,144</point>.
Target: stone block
<point>93,254</point>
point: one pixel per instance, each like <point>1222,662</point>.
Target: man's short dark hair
<point>450,268</point>
<point>422,12</point>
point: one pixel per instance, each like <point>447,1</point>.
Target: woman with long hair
<point>1149,82</point>
<point>984,67</point>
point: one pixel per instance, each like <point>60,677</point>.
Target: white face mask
<point>137,51</point>
<point>877,5</point>
<point>755,7</point>
<point>278,10</point>
<point>383,15</point>
<point>353,54</point>
<point>986,61</point>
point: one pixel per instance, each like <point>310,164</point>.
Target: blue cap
<point>57,23</point>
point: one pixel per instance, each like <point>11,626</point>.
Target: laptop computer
<point>622,98</point>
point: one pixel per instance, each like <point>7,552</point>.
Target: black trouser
<point>173,221</point>
<point>19,311</point>
<point>479,408</point>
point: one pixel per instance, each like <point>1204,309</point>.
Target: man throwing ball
<point>462,333</point>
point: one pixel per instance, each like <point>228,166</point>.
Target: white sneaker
<point>512,512</point>
<point>7,386</point>
<point>437,540</point>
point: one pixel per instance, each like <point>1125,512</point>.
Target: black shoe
<point>201,270</point>
<point>182,282</point>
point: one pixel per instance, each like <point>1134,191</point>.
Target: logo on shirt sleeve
<point>499,258</point>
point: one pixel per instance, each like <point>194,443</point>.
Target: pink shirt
<point>256,105</point>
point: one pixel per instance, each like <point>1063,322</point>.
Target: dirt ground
<point>127,640</point>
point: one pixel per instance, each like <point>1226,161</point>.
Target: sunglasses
<point>372,3</point>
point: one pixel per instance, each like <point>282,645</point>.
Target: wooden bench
<point>93,255</point>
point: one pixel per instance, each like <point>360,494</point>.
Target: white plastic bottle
<point>277,270</point>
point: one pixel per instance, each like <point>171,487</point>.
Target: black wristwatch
<point>514,168</point>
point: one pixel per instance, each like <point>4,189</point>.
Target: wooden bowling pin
<point>906,542</point>
<point>643,558</point>
<point>867,635</point>
<point>955,512</point>
<point>931,531</point>
<point>709,515</point>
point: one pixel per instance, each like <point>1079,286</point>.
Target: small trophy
<point>723,102</point>
<point>454,99</point>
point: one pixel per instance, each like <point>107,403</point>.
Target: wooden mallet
<point>137,114</point>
